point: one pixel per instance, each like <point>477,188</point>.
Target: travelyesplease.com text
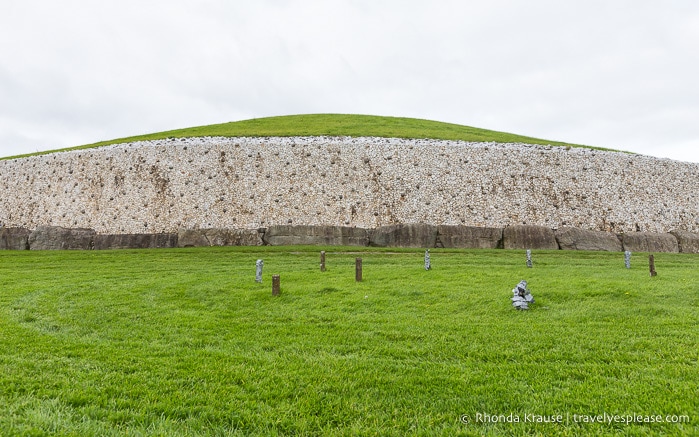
<point>572,418</point>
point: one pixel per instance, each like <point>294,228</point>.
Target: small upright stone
<point>529,258</point>
<point>275,285</point>
<point>627,259</point>
<point>258,273</point>
<point>428,265</point>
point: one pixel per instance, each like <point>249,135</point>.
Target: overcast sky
<point>612,73</point>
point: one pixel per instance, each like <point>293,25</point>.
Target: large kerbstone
<point>687,241</point>
<point>14,239</point>
<point>58,238</point>
<point>583,239</point>
<point>218,237</point>
<point>469,237</point>
<point>135,241</point>
<point>285,235</point>
<point>650,242</point>
<point>529,237</point>
<point>408,235</point>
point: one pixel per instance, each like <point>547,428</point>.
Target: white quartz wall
<point>166,185</point>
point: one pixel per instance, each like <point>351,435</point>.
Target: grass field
<point>336,125</point>
<point>184,342</point>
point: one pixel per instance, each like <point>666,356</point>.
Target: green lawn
<point>337,125</point>
<point>184,342</point>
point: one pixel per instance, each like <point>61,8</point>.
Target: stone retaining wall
<point>416,235</point>
<point>365,183</point>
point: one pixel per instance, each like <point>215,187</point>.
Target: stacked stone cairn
<point>522,296</point>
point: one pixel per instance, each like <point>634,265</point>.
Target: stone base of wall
<point>583,239</point>
<point>529,237</point>
<point>688,242</point>
<point>401,235</point>
<point>14,238</point>
<point>650,242</point>
<point>135,241</point>
<point>285,235</point>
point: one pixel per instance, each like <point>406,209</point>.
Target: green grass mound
<point>337,125</point>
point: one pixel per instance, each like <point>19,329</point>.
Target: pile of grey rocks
<point>522,296</point>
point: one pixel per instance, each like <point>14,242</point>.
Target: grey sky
<point>613,73</point>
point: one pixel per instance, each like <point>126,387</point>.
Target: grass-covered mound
<point>184,342</point>
<point>337,125</point>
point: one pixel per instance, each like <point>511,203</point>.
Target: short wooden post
<point>358,270</point>
<point>651,265</point>
<point>275,285</point>
<point>322,260</point>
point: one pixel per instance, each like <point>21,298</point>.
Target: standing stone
<point>276,289</point>
<point>651,265</point>
<point>358,269</point>
<point>627,259</point>
<point>428,265</point>
<point>258,274</point>
<point>529,258</point>
<point>322,260</point>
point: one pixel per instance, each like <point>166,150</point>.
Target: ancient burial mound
<point>348,190</point>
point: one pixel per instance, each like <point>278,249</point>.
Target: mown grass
<point>184,342</point>
<point>335,125</point>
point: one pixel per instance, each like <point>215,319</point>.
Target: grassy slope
<point>184,342</point>
<point>337,125</point>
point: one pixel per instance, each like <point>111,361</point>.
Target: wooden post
<point>358,270</point>
<point>275,285</point>
<point>651,264</point>
<point>322,260</point>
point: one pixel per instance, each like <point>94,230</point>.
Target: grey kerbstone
<point>218,237</point>
<point>233,237</point>
<point>14,239</point>
<point>687,241</point>
<point>650,242</point>
<point>583,239</point>
<point>529,237</point>
<point>469,237</point>
<point>135,241</point>
<point>58,238</point>
<point>191,238</point>
<point>285,235</point>
<point>404,235</point>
